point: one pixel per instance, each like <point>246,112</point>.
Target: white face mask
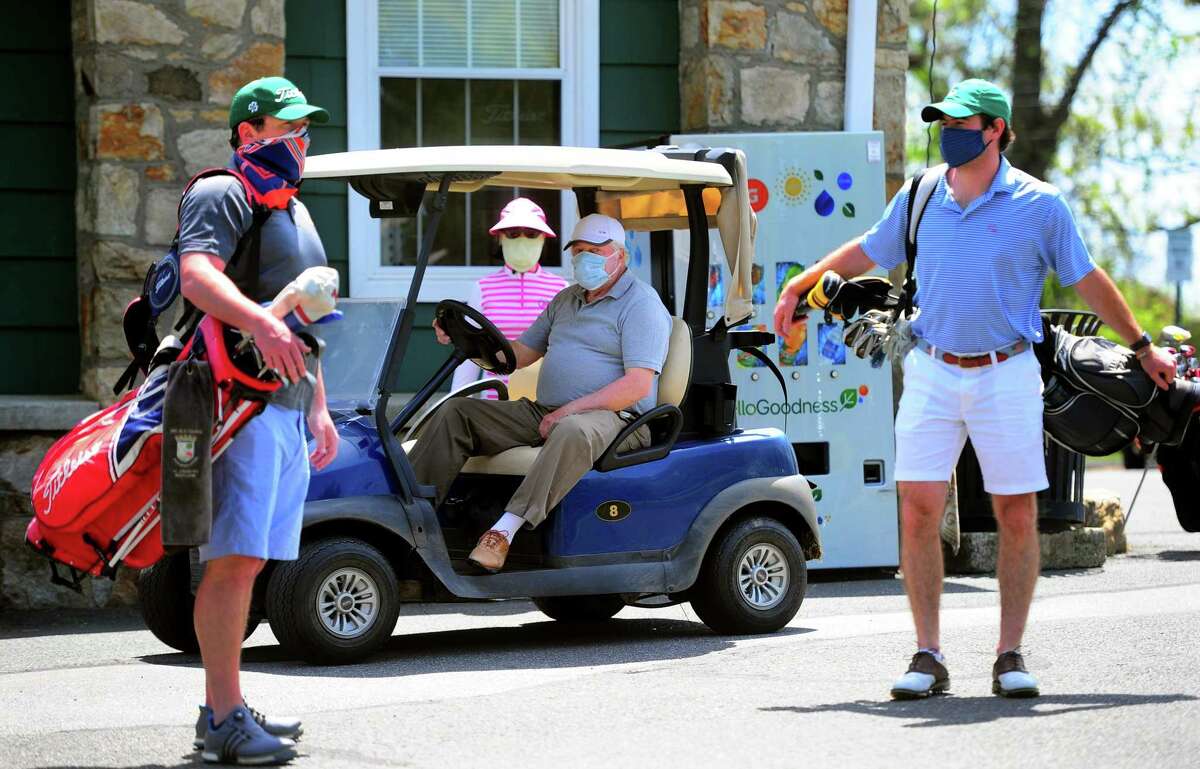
<point>522,254</point>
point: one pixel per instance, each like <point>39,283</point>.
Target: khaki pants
<point>465,427</point>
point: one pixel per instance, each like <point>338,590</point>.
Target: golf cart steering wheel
<point>476,337</point>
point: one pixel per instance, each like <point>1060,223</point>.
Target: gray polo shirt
<point>213,217</point>
<point>589,346</point>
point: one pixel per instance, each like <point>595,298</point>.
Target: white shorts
<point>998,406</point>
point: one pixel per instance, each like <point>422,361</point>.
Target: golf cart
<point>706,513</point>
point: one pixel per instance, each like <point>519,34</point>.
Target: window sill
<point>43,413</point>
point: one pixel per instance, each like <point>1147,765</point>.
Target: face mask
<point>274,166</point>
<point>521,254</point>
<point>589,270</point>
<point>961,145</point>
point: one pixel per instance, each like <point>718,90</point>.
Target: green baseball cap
<point>274,96</point>
<point>970,97</point>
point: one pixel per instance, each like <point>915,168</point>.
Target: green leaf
<point>820,176</point>
<point>848,210</point>
<point>849,398</point>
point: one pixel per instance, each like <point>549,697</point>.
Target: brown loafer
<point>491,551</point>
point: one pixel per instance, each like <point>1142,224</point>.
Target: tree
<point>1083,123</point>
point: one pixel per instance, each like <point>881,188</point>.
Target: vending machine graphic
<point>813,192</point>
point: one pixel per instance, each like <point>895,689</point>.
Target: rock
<point>97,381</point>
<point>259,60</point>
<point>115,77</point>
<point>832,15</point>
<point>162,216</point>
<point>108,306</point>
<point>831,105</point>
<point>707,86</point>
<point>737,25</point>
<point>891,58</point>
<point>20,454</point>
<point>160,173</point>
<point>267,18</point>
<point>114,260</point>
<point>774,95</point>
<point>689,26</point>
<point>129,132</point>
<point>25,575</point>
<point>204,148</point>
<point>892,26</point>
<point>1081,548</point>
<point>174,83</point>
<point>215,116</point>
<point>796,39</point>
<point>1104,511</point>
<point>225,13</point>
<point>116,199</point>
<point>222,46</point>
<point>126,22</point>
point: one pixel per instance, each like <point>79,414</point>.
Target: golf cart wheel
<point>336,603</point>
<point>753,579</point>
<point>165,598</point>
<point>580,608</point>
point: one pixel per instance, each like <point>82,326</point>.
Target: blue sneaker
<point>240,740</point>
<point>289,728</point>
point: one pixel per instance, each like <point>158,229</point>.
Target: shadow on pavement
<point>1178,555</point>
<point>540,645</point>
<point>193,760</point>
<point>880,588</point>
<point>45,622</point>
<point>957,711</point>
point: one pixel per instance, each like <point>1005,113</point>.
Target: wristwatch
<point>1142,343</point>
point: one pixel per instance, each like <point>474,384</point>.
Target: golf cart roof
<point>532,167</point>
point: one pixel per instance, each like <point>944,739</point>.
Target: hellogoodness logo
<point>851,397</point>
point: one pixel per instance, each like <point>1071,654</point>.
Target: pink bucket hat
<point>522,212</point>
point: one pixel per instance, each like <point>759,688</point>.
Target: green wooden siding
<point>39,317</point>
<point>316,62</point>
<point>639,70</point>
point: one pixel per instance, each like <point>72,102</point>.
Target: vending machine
<point>811,193</point>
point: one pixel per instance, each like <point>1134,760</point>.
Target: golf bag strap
<point>243,265</point>
<point>920,190</point>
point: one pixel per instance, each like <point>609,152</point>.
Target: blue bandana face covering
<point>961,145</point>
<point>589,270</point>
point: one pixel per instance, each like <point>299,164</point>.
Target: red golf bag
<point>95,494</point>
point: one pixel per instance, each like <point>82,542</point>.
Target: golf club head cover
<point>317,291</point>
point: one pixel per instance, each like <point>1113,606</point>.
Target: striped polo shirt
<point>513,301</point>
<point>980,271</point>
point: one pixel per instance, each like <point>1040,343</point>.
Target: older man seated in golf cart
<point>604,341</point>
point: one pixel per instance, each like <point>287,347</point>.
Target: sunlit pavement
<point>499,685</point>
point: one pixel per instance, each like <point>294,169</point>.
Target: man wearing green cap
<point>988,236</point>
<point>244,237</point>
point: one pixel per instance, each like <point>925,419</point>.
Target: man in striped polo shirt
<point>513,296</point>
<point>988,237</point>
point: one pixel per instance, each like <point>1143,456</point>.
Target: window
<point>449,72</point>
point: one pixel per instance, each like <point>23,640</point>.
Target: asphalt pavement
<point>499,685</point>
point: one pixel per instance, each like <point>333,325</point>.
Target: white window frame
<point>579,60</point>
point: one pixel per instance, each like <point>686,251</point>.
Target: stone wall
<point>153,82</point>
<point>775,65</point>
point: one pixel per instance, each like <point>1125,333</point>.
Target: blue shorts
<point>259,485</point>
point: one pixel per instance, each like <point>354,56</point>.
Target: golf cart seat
<point>672,386</point>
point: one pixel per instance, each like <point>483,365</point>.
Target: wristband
<point>1142,342</point>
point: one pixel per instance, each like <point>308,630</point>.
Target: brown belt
<point>974,361</point>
